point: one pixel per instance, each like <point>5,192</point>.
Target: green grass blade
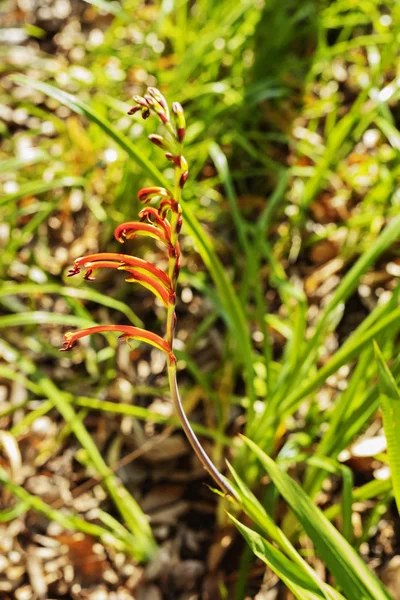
<point>33,188</point>
<point>351,573</point>
<point>389,395</point>
<point>254,509</point>
<point>127,506</point>
<point>292,576</point>
<point>44,318</point>
<point>29,501</point>
<point>14,164</point>
<point>10,289</point>
<point>221,164</point>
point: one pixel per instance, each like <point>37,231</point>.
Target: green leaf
<point>254,509</point>
<point>32,188</point>
<point>350,572</point>
<point>292,576</point>
<point>84,293</point>
<point>389,395</point>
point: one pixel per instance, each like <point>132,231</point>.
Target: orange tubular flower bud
<point>131,229</point>
<point>128,332</point>
<point>147,194</point>
<point>113,260</point>
<point>154,285</point>
<point>169,204</point>
<point>149,212</point>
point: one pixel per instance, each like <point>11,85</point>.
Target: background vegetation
<point>290,272</point>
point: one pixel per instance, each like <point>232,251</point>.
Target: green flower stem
<point>191,436</point>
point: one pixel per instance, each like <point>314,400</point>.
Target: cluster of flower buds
<point>155,102</point>
<point>162,221</point>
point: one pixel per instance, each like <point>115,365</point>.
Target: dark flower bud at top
<point>157,107</point>
<point>180,121</point>
<point>141,101</point>
<point>157,95</point>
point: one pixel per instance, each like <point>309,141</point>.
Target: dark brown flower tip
<point>177,269</point>
<point>145,113</point>
<point>88,275</point>
<point>75,270</point>
<point>134,110</point>
<point>183,179</point>
<point>159,141</point>
<point>67,345</point>
<point>181,133</point>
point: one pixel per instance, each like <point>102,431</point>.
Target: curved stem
<point>197,447</point>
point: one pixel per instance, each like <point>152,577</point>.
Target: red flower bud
<point>159,141</point>
<point>157,95</point>
<point>141,101</point>
<point>132,229</point>
<point>134,110</point>
<point>183,179</point>
<point>179,118</point>
<point>147,194</point>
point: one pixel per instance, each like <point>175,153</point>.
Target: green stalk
<point>191,436</point>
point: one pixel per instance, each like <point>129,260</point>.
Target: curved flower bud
<point>128,332</point>
<point>158,108</point>
<point>132,229</point>
<point>164,295</point>
<point>115,261</point>
<point>150,211</point>
<point>183,179</point>
<point>159,141</point>
<point>134,110</point>
<point>141,101</point>
<point>157,95</point>
<point>147,194</point>
<point>168,204</point>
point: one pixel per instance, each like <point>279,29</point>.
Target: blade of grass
<point>29,501</point>
<point>266,524</point>
<point>15,163</point>
<point>302,586</point>
<point>10,289</point>
<point>33,188</point>
<point>389,395</point>
<point>127,506</point>
<point>351,573</point>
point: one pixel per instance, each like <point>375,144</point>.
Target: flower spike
<point>161,284</point>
